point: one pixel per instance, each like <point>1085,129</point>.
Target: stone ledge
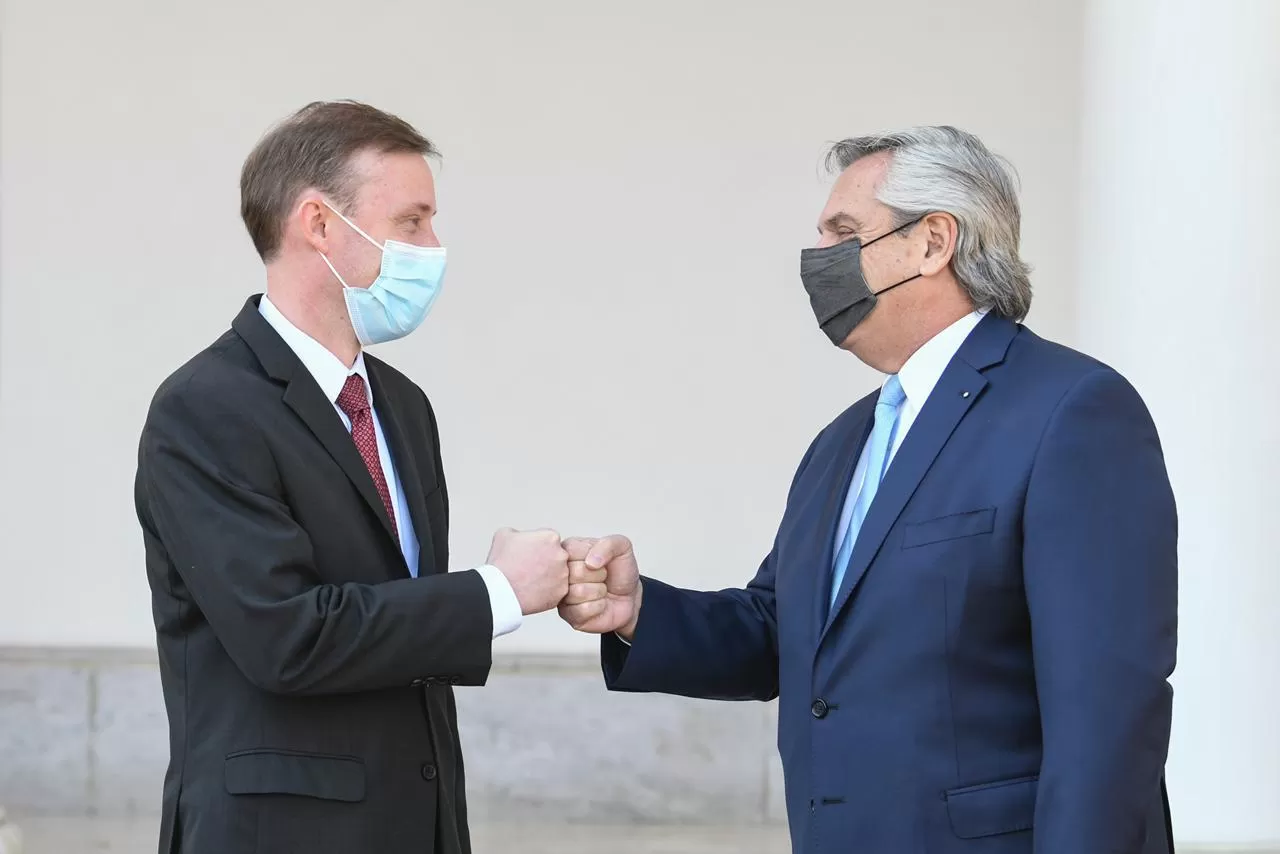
<point>83,732</point>
<point>80,834</point>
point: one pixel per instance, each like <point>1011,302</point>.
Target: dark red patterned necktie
<point>355,403</point>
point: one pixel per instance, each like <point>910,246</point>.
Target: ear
<point>312,219</point>
<point>941,231</point>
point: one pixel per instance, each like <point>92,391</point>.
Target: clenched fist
<point>604,586</point>
<point>535,564</point>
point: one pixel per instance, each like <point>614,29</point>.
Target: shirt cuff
<point>507,615</point>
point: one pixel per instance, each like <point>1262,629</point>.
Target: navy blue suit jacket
<point>994,674</point>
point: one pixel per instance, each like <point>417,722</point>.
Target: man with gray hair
<point>969,614</point>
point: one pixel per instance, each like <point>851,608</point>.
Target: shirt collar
<point>327,369</point>
<point>923,370</point>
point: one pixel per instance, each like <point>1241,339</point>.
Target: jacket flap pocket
<point>951,527</point>
<point>992,809</point>
<point>279,772</point>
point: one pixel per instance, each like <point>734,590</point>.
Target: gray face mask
<point>838,290</point>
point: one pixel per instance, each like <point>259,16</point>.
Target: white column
<point>10,836</point>
<point>1180,290</point>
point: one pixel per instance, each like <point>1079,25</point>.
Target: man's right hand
<point>604,586</point>
<point>535,564</point>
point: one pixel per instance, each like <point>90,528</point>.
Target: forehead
<point>853,195</point>
<point>393,180</point>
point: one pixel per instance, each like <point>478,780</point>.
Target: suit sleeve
<point>1100,565</point>
<point>212,491</point>
<point>713,646</point>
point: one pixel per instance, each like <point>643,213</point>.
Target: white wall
<point>623,343</point>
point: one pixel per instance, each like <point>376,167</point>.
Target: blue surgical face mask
<point>401,297</point>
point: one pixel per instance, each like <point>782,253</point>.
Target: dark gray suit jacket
<point>306,674</point>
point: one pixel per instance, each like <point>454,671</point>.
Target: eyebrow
<point>832,222</point>
<point>419,208</point>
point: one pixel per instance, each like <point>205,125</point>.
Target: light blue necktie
<point>878,445</point>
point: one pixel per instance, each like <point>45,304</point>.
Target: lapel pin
<point>964,394</point>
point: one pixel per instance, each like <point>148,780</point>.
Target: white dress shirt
<point>331,375</point>
<point>918,376</point>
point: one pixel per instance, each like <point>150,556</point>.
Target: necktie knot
<point>892,394</point>
<point>352,400</point>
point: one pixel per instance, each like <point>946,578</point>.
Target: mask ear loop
<point>881,237</point>
<point>898,285</point>
<point>332,269</point>
<point>358,230</point>
<point>864,245</point>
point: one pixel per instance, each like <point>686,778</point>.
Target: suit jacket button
<point>819,708</point>
<point>428,772</point>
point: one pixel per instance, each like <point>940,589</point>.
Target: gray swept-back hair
<point>942,169</point>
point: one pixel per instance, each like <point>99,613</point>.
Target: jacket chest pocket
<point>956,526</point>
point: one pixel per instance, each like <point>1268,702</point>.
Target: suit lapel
<point>406,464</point>
<point>842,461</point>
<point>305,398</point>
<point>957,390</point>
